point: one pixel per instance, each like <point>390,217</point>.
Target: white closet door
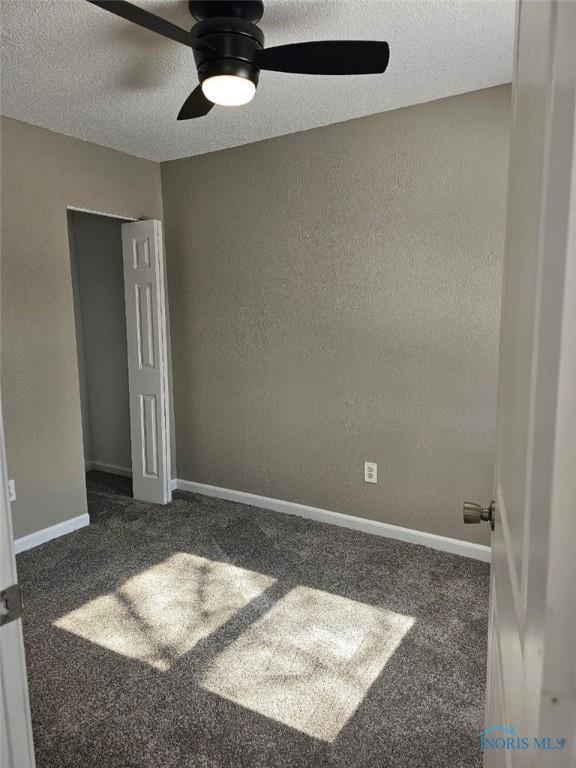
<point>144,287</point>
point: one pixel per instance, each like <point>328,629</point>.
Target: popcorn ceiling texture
<point>75,69</point>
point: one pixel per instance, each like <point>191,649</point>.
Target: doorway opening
<point>117,268</point>
<point>101,341</point>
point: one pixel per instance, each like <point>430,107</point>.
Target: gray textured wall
<point>42,173</point>
<point>82,380</point>
<point>96,250</point>
<point>334,299</point>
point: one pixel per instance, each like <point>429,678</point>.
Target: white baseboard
<point>53,532</point>
<point>112,469</point>
<point>432,540</point>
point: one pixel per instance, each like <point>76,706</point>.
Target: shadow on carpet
<point>213,634</point>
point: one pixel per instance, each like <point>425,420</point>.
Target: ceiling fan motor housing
<point>229,51</point>
<point>231,44</point>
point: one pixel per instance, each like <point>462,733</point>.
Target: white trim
<point>100,213</point>
<point>432,540</point>
<point>17,748</point>
<point>112,469</point>
<point>53,532</point>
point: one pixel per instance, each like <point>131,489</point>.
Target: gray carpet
<point>216,635</point>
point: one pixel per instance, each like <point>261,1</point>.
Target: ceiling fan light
<point>228,90</point>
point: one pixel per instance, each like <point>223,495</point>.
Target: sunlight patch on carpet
<point>309,662</point>
<point>163,612</point>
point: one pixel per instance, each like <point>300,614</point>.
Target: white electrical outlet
<point>11,490</point>
<point>370,472</point>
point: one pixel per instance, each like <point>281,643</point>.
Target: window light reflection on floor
<point>163,612</point>
<point>309,662</point>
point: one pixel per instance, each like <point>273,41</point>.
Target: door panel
<point>535,490</point>
<point>144,286</point>
<point>145,325</point>
<point>496,704</point>
<point>526,185</point>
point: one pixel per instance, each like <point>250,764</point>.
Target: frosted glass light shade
<point>228,90</point>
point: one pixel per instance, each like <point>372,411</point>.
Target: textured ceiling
<point>73,68</point>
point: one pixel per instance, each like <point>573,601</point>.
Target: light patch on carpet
<point>309,662</point>
<point>163,612</point>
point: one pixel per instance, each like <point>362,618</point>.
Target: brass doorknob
<point>475,513</point>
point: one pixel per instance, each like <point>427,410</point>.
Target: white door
<point>144,287</point>
<point>16,747</point>
<point>532,639</point>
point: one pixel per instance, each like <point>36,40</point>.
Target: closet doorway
<point>121,336</point>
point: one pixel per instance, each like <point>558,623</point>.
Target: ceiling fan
<point>229,51</point>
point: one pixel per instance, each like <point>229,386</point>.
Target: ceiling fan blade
<point>196,105</point>
<point>328,57</point>
<point>145,19</point>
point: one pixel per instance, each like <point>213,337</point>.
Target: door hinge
<point>10,604</point>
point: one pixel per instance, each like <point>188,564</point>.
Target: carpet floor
<point>212,634</point>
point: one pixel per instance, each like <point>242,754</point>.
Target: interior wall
<point>334,299</point>
<point>42,174</point>
<point>82,380</point>
<point>98,281</point>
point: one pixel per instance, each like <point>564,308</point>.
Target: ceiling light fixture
<point>229,52</point>
<point>228,90</point>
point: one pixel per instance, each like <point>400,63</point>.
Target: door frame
<point>166,362</point>
<point>16,738</point>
